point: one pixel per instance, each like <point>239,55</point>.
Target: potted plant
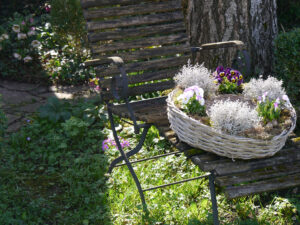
<point>219,113</point>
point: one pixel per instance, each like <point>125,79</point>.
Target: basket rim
<point>171,105</point>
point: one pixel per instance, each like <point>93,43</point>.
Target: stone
<point>15,97</point>
<point>11,118</point>
<point>31,108</point>
<point>16,86</point>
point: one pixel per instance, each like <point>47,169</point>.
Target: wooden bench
<point>149,36</point>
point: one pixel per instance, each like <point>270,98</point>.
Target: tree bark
<point>252,21</point>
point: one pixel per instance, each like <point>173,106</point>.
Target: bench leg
<point>213,198</point>
<point>133,151</point>
<point>136,180</point>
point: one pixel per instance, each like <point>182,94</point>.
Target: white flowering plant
<point>192,101</point>
<point>257,87</point>
<point>19,47</point>
<point>198,75</point>
<point>30,50</point>
<point>233,117</point>
<point>19,40</point>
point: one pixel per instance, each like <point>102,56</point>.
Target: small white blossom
<point>47,25</point>
<point>17,56</point>
<point>257,87</point>
<point>233,117</point>
<point>35,43</point>
<point>27,59</point>
<point>16,28</point>
<point>5,36</point>
<point>31,33</point>
<point>1,38</point>
<point>21,36</point>
<point>198,75</point>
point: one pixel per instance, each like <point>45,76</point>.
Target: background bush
<point>288,13</point>
<point>9,7</point>
<point>67,19</point>
<point>287,55</point>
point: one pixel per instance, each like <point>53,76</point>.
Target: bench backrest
<point>149,35</point>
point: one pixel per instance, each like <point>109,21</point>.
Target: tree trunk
<point>252,21</point>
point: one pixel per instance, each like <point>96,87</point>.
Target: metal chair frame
<point>123,79</point>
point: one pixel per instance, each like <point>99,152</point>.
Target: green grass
<point>59,177</point>
<point>187,203</point>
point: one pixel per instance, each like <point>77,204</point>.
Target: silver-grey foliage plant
<point>257,87</point>
<point>191,75</point>
<point>233,117</point>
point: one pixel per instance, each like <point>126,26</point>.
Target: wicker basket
<point>199,135</point>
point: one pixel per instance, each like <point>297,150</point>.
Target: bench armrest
<point>224,44</point>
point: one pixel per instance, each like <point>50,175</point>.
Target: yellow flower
<point>232,72</point>
<point>241,77</point>
<point>222,74</point>
<point>233,80</point>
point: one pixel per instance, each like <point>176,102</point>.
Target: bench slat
<point>140,43</point>
<point>262,186</point>
<point>150,110</point>
<point>152,52</point>
<point>145,88</point>
<point>135,21</point>
<point>162,74</point>
<point>98,3</point>
<point>137,32</point>
<point>256,175</point>
<point>133,10</point>
<point>283,156</point>
<point>148,65</point>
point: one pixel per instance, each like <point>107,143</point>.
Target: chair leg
<point>132,152</point>
<point>136,180</point>
<point>213,198</point>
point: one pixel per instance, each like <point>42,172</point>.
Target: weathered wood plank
<point>224,166</point>
<point>142,54</point>
<point>97,62</point>
<point>132,10</point>
<point>148,65</point>
<point>284,156</point>
<point>145,77</point>
<point>146,88</point>
<point>256,175</point>
<point>100,3</point>
<point>262,186</point>
<point>151,52</point>
<point>137,32</point>
<point>150,110</point>
<point>140,43</point>
<point>135,21</point>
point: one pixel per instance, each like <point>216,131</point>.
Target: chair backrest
<point>149,35</point>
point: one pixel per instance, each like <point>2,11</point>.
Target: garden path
<point>20,100</point>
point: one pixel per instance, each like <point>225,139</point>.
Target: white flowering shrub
<point>257,87</point>
<point>191,75</point>
<point>233,117</point>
